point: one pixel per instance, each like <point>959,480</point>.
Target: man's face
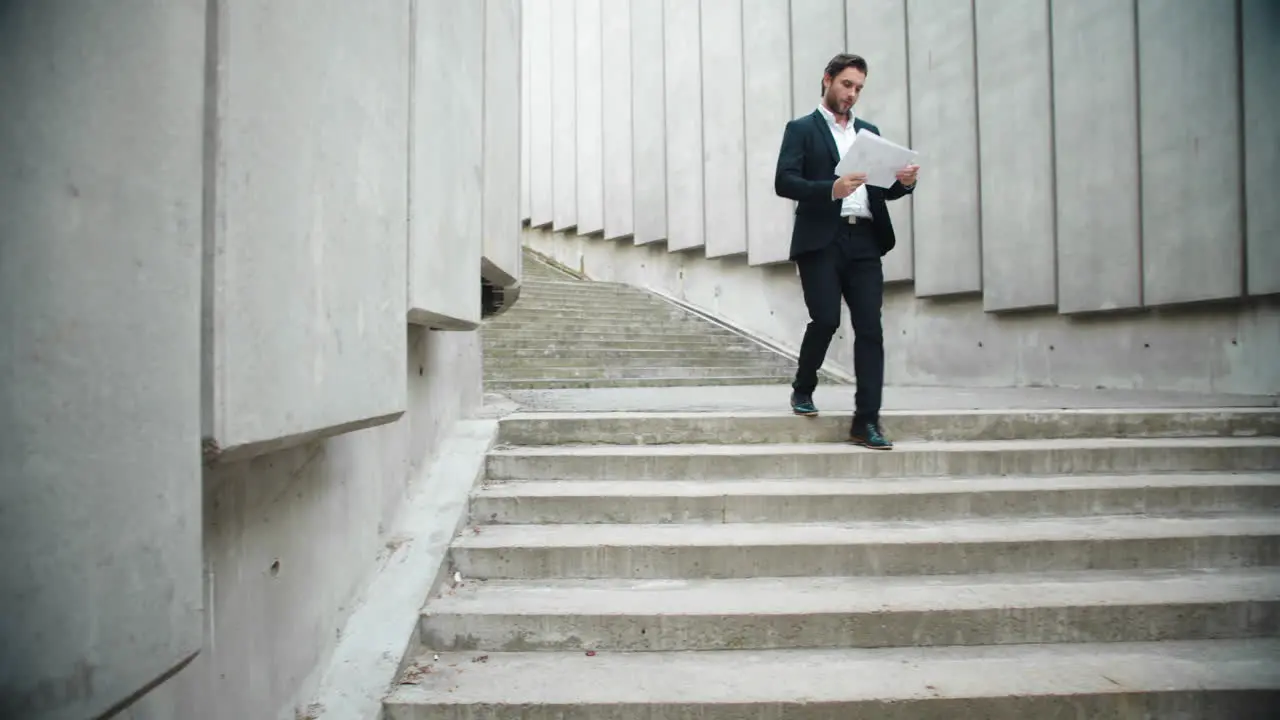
<point>843,90</point>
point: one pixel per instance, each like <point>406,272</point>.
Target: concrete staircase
<point>567,333</point>
<point>999,564</point>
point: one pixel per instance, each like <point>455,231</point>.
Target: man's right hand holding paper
<point>846,184</point>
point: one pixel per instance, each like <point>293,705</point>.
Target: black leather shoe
<point>869,435</point>
<point>803,405</point>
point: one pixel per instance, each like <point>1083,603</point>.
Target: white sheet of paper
<point>878,158</point>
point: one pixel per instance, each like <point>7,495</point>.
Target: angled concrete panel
<point>619,200</point>
<point>1192,234</point>
<point>681,41</point>
<point>101,583</point>
<point>817,34</point>
<point>501,219</point>
<point>526,111</point>
<point>564,114</point>
<point>766,51</point>
<point>877,30</point>
<point>944,130</point>
<point>648,121</point>
<point>537,22</point>
<point>1015,128</point>
<point>723,136</point>
<point>590,119</point>
<point>446,205</point>
<point>309,211</point>
<point>1098,205</point>
<point>1261,53</point>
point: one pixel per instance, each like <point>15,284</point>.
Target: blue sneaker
<point>803,405</point>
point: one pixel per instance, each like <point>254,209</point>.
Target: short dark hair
<point>839,64</point>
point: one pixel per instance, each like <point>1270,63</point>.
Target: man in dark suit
<point>842,229</point>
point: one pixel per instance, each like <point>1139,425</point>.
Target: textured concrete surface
<point>564,114</point>
<point>305,334</point>
<point>100,272</point>
<point>723,104</point>
<point>537,26</point>
<point>1098,214</point>
<point>380,635</point>
<point>775,549</point>
<point>1260,26</point>
<point>766,70</point>
<point>682,86</point>
<point>447,184</point>
<point>839,399</point>
<point>557,334</point>
<point>652,428</point>
<point>852,612</point>
<point>619,194</point>
<point>1223,680</point>
<point>590,115</point>
<point>501,221</point>
<point>832,500</point>
<point>648,123</point>
<point>912,458</point>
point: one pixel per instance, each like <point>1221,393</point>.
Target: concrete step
<point>971,546</point>
<point>781,613</point>
<point>533,371</point>
<point>1197,680</point>
<point>695,334</point>
<point>628,428</point>
<point>914,499</point>
<point>703,343</point>
<point>921,459</point>
<point>644,324</point>
<point>523,315</point>
<point>670,360</point>
<point>595,356</point>
<point>587,384</point>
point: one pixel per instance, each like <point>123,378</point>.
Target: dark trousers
<point>845,268</point>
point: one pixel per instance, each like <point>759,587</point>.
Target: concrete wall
<point>225,228</point>
<point>1053,235</point>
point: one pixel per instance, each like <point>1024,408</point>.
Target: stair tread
<point>808,595</point>
<point>964,446</point>
<point>842,675</point>
<point>871,533</point>
<point>863,486</point>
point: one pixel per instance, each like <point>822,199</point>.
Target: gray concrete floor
<point>839,398</point>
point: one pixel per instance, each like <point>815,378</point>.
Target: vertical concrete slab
<point>1261,54</point>
<point>526,111</point>
<point>619,200</point>
<point>944,130</point>
<point>1015,129</point>
<point>564,114</point>
<point>101,583</point>
<point>307,336</point>
<point>817,34</point>
<point>648,121</point>
<point>877,30</point>
<point>724,129</point>
<point>500,262</point>
<point>537,20</point>
<point>1099,227</point>
<point>446,207</point>
<point>590,119</point>
<point>1192,234</point>
<point>681,41</point>
<point>766,53</point>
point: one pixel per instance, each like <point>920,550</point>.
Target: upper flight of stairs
<point>997,565</point>
<point>567,333</point>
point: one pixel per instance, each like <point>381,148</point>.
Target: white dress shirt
<point>856,204</point>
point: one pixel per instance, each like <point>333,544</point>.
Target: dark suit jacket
<point>807,172</point>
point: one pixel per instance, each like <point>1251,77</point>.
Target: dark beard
<point>827,103</point>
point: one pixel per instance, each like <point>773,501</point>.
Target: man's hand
<point>907,175</point>
<point>845,186</point>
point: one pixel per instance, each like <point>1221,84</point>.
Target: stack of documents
<point>878,158</point>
